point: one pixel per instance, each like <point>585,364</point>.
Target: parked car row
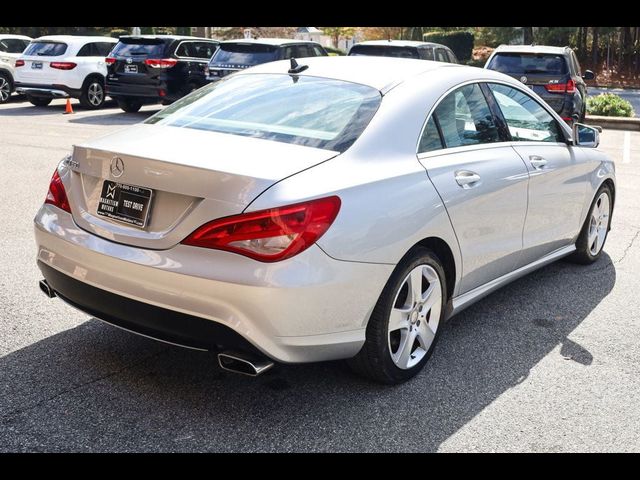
<point>147,69</point>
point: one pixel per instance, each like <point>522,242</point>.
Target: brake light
<point>19,63</point>
<point>110,60</point>
<point>63,65</point>
<point>160,63</point>
<point>269,235</point>
<point>57,195</point>
<point>569,87</point>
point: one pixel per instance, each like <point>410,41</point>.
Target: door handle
<point>537,162</point>
<point>467,178</point>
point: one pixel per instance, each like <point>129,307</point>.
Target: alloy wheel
<point>95,94</point>
<point>5,90</point>
<point>598,224</point>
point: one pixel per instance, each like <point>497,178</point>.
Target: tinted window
<point>522,63</point>
<point>312,111</point>
<point>46,49</point>
<point>526,119</point>
<point>302,51</point>
<point>318,51</point>
<point>384,51</point>
<point>12,45</point>
<point>104,48</point>
<point>185,50</point>
<point>430,139</point>
<point>441,55</point>
<point>204,50</point>
<point>577,64</point>
<point>452,57</point>
<point>465,119</point>
<point>244,54</point>
<point>143,47</point>
<point>90,50</point>
<point>426,53</point>
<point>288,52</point>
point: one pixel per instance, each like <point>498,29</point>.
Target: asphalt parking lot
<point>548,363</point>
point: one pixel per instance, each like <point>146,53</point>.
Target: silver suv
<point>11,47</point>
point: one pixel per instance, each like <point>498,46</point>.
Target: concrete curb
<point>614,123</point>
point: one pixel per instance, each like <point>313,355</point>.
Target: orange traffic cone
<point>68,108</point>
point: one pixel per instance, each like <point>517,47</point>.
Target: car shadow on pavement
<point>97,388</point>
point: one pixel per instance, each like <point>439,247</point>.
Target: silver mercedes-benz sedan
<point>334,208</point>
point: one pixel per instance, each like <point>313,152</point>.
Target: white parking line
<point>626,148</point>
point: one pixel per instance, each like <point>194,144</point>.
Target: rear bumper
<point>149,93</point>
<point>304,309</point>
<point>47,91</point>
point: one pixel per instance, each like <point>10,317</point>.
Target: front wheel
<point>404,325</point>
<point>39,101</point>
<point>93,96</point>
<point>595,229</point>
<point>129,105</point>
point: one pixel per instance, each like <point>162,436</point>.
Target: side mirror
<point>585,136</point>
<point>588,75</point>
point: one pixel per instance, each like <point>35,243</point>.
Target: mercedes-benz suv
<point>11,47</point>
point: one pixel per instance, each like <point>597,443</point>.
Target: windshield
<point>46,49</point>
<point>244,54</point>
<point>310,111</point>
<point>144,47</point>
<point>380,51</point>
<point>521,63</point>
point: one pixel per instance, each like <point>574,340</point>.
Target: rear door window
<point>204,50</point>
<point>528,63</point>
<point>318,51</point>
<point>244,54</point>
<point>426,53</point>
<point>46,49</point>
<point>93,49</point>
<point>441,55</point>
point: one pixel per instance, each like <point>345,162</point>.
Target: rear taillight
<point>110,60</point>
<point>19,63</point>
<point>269,235</point>
<point>569,87</point>
<point>56,194</point>
<point>63,65</point>
<point>160,62</point>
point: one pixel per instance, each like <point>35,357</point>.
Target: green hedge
<point>460,42</point>
<point>609,105</point>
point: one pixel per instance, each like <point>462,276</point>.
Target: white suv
<point>62,66</point>
<point>11,47</point>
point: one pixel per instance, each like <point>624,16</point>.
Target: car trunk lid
<point>189,186</point>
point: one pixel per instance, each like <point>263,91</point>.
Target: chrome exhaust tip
<point>244,363</point>
<point>48,291</point>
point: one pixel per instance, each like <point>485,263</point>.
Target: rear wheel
<point>93,95</point>
<point>129,105</point>
<point>39,101</point>
<point>6,86</point>
<point>595,229</point>
<point>404,325</point>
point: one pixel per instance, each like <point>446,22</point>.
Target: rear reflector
<point>110,60</point>
<point>57,195</point>
<point>63,65</point>
<point>160,63</point>
<point>269,235</point>
<point>19,63</point>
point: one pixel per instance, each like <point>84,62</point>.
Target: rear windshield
<point>46,49</point>
<point>310,111</point>
<point>139,47</point>
<point>380,51</point>
<point>244,54</point>
<point>521,63</point>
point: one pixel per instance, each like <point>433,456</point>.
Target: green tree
<point>336,33</point>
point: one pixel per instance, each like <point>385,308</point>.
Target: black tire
<point>374,360</point>
<point>6,87</point>
<point>130,105</point>
<point>583,254</point>
<point>93,95</point>
<point>39,101</point>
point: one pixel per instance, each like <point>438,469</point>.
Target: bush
<point>334,51</point>
<point>460,42</point>
<point>609,105</point>
<point>118,32</point>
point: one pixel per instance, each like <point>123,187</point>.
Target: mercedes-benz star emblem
<point>117,167</point>
<point>523,79</point>
<point>129,60</point>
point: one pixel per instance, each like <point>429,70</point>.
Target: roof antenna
<point>295,68</point>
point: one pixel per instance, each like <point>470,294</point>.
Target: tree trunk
<point>594,48</point>
<point>527,35</point>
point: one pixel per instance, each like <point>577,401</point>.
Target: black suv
<point>234,55</point>
<point>552,72</point>
<point>156,68</point>
<point>405,49</point>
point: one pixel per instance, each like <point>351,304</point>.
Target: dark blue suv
<point>552,72</point>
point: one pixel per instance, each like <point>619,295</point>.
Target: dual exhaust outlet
<point>237,362</point>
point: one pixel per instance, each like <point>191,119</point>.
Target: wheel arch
<point>91,76</point>
<point>8,73</point>
<point>612,186</point>
<point>445,254</point>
